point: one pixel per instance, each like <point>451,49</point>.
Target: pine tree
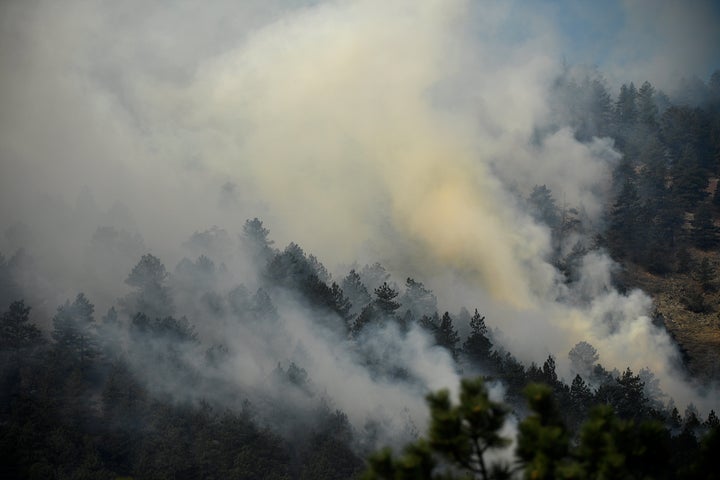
<point>543,208</point>
<point>624,232</point>
<point>446,336</point>
<point>385,299</point>
<point>459,435</point>
<point>712,420</point>
<point>647,110</point>
<point>477,348</point>
<point>152,295</point>
<point>580,392</point>
<point>626,107</point>
<point>74,331</point>
<point>255,239</point>
<point>583,358</point>
<point>689,181</point>
<point>16,331</point>
<point>705,234</point>
<point>356,292</point>
<point>418,299</point>
<point>543,442</point>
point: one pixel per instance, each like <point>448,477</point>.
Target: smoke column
<point>371,130</point>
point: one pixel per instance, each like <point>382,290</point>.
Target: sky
<point>630,40</point>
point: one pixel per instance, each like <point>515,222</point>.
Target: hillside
<point>697,333</point>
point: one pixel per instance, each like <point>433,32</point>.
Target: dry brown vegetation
<point>696,332</point>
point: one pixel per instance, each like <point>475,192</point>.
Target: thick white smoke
<point>397,131</point>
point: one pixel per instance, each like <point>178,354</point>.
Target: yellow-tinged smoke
<point>341,125</point>
<point>369,130</point>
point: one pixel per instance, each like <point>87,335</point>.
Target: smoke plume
<point>403,132</point>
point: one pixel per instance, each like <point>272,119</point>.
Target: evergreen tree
<point>255,239</point>
<point>289,268</point>
<point>548,371</point>
<point>647,110</point>
<point>459,435</point>
<point>446,336</point>
<point>74,331</point>
<point>712,420</point>
<point>417,299</point>
<point>16,331</point>
<point>626,110</point>
<point>543,442</point>
<point>477,348</point>
<point>706,235</point>
<point>600,108</point>
<point>624,233</point>
<point>385,299</point>
<point>689,181</point>
<point>583,358</point>
<point>152,295</point>
<point>356,292</point>
<point>340,303</point>
<point>543,208</point>
<point>580,392</point>
<point>368,315</point>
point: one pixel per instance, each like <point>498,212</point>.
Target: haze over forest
<point>313,213</point>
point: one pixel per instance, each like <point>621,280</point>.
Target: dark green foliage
<point>368,315</point>
<point>690,181</point>
<point>169,329</point>
<point>543,441</point>
<point>74,331</point>
<point>477,347</point>
<point>586,105</point>
<point>625,231</point>
<point>256,241</point>
<point>613,448</point>
<point>385,299</point>
<point>646,107</point>
<point>705,234</point>
<point>626,395</point>
<point>580,392</point>
<point>16,331</point>
<point>446,336</point>
<point>328,455</point>
<point>65,424</point>
<point>607,447</point>
<point>705,464</point>
<point>152,295</point>
<point>416,463</point>
<point>289,268</point>
<point>458,439</point>
<point>356,292</point>
<point>308,277</point>
<point>583,358</point>
<point>340,303</point>
<point>417,299</point>
<point>548,370</point>
<point>626,110</point>
<point>670,152</point>
<point>712,420</point>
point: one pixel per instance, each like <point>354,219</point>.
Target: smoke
<point>684,49</point>
<point>402,131</point>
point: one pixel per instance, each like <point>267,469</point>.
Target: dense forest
<point>142,390</point>
<point>333,239</point>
